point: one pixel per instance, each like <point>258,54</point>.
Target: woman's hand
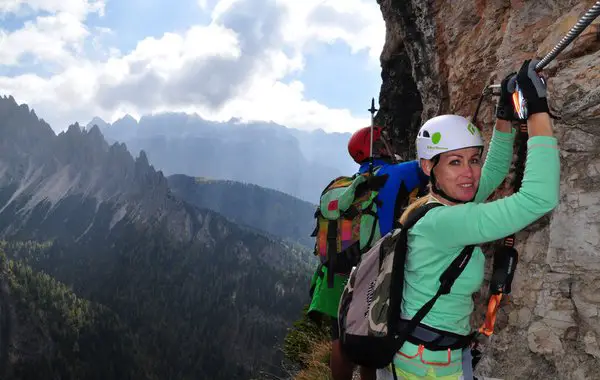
<point>533,88</point>
<point>534,91</point>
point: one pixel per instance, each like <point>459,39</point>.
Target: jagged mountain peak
<point>95,132</point>
<point>78,163</point>
<point>20,123</point>
<point>128,117</point>
<point>182,143</point>
<point>142,160</point>
<point>73,130</point>
<point>97,121</point>
<point>50,169</point>
<point>88,142</point>
<point>119,149</point>
<point>127,120</point>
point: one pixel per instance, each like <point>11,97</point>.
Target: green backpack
<point>346,221</point>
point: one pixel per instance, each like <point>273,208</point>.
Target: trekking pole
<point>372,110</point>
<point>384,136</point>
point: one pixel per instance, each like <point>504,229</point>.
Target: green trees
<point>215,308</point>
<point>48,332</point>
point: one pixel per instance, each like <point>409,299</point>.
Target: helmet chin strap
<point>438,190</point>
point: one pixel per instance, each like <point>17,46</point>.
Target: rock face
<point>440,55</point>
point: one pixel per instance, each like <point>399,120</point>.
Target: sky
<point>305,64</point>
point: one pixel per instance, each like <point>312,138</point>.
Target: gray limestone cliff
<point>437,58</point>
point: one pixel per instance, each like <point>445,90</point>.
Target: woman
<point>449,149</point>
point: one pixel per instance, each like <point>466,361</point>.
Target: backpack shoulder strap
<point>418,213</point>
<point>447,278</point>
<point>400,252</point>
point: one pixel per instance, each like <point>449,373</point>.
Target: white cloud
<point>358,23</point>
<point>234,67</point>
<point>285,104</point>
<point>77,8</point>
<point>55,39</point>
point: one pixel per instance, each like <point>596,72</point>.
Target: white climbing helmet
<point>445,133</point>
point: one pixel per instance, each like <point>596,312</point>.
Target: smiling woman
<point>454,174</point>
<point>460,177</point>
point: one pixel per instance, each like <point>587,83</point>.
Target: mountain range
<point>270,211</point>
<point>296,162</point>
<point>202,294</point>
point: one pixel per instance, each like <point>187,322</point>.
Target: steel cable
<point>582,23</point>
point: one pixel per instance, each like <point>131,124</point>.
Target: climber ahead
<point>403,178</point>
<point>450,149</point>
<point>389,187</point>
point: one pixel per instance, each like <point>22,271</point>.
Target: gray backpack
<point>371,330</point>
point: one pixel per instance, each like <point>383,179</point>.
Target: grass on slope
<point>316,362</point>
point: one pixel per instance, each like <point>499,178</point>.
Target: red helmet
<point>360,143</point>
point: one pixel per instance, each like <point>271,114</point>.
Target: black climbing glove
<point>533,88</point>
<point>505,109</point>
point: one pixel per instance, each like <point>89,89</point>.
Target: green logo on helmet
<point>472,129</point>
<point>436,137</point>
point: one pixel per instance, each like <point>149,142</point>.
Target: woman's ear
<point>426,166</point>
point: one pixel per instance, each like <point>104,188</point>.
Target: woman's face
<point>457,172</point>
